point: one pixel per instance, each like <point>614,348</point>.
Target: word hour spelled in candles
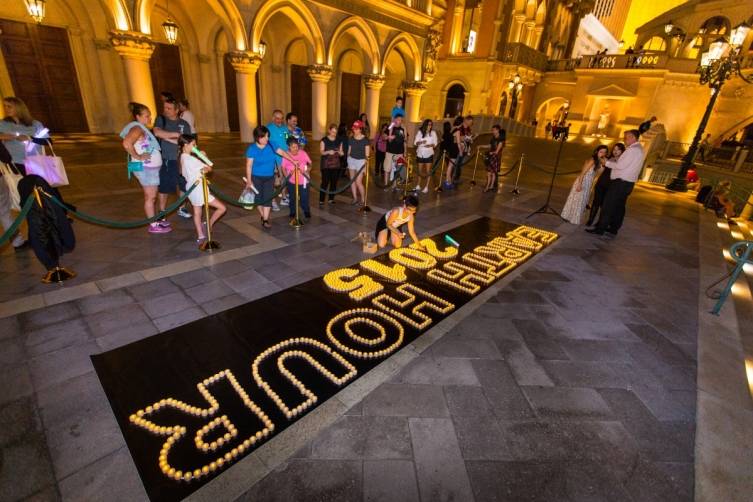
<point>372,330</point>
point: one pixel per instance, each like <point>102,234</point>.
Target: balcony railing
<point>523,55</point>
<point>610,62</point>
<point>419,5</point>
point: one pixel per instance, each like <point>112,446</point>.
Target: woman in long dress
<point>581,190</point>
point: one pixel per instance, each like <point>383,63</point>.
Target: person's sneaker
<point>163,224</point>
<point>184,213</point>
<point>156,228</point>
<point>426,189</point>
<point>275,206</point>
<point>418,188</point>
<point>285,201</point>
<point>22,246</point>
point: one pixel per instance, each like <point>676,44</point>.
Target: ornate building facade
<point>327,60</point>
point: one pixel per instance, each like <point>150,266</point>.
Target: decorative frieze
<point>132,45</point>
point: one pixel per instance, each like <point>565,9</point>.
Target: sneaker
<point>426,189</point>
<point>275,206</point>
<point>417,189</point>
<point>163,223</point>
<point>184,213</point>
<point>156,228</point>
<point>285,202</point>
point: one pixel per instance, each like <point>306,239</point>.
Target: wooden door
<point>231,97</point>
<point>350,97</point>
<point>300,95</point>
<point>43,75</point>
<point>167,72</point>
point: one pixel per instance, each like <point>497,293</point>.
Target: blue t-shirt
<point>264,160</point>
<point>278,137</point>
<point>397,110</point>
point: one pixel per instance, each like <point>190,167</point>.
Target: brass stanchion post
<point>475,166</point>
<point>209,244</point>
<point>441,172</point>
<point>365,208</point>
<point>516,190</point>
<point>296,222</point>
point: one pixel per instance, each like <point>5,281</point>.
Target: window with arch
<point>655,44</point>
<point>453,105</point>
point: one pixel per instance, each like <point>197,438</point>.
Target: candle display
<point>395,273</point>
<point>413,258</point>
<point>358,287</point>
<point>286,353</point>
<point>436,304</point>
<point>431,247</point>
<point>358,316</point>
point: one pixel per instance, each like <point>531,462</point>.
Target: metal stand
<point>407,176</point>
<point>59,275</point>
<point>209,244</point>
<point>441,173</point>
<point>547,208</point>
<point>365,208</point>
<point>296,222</point>
<point>516,189</point>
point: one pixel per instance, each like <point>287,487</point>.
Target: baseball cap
<point>358,124</point>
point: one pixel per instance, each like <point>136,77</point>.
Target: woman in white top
<point>186,114</point>
<point>581,190</point>
<point>143,147</point>
<point>392,224</point>
<point>426,140</point>
<point>192,168</point>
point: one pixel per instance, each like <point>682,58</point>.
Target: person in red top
<point>693,180</point>
<point>297,154</point>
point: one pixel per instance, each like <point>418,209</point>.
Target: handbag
<point>247,197</point>
<point>332,162</point>
<point>49,167</point>
<point>134,166</point>
<point>11,179</point>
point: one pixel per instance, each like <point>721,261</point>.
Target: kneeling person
<point>391,226</point>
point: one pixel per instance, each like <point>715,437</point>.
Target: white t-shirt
<point>427,149</point>
<point>191,169</point>
<point>188,117</point>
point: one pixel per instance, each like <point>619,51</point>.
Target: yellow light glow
<point>749,372</point>
<point>723,225</point>
<point>726,254</point>
<point>740,291</point>
<point>748,268</point>
<point>737,235</point>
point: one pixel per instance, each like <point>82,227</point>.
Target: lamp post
<point>515,85</point>
<point>720,63</point>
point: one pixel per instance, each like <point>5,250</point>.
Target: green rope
<point>250,205</point>
<point>541,168</point>
<point>339,190</point>
<point>11,231</point>
<point>127,224</point>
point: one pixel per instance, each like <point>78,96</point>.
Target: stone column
<point>373,84</point>
<point>136,48</point>
<point>413,92</point>
<point>246,64</point>
<point>456,32</point>
<point>320,76</point>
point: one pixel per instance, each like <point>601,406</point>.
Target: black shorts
<point>266,187</point>
<point>382,225</point>
<point>170,179</point>
<point>425,160</point>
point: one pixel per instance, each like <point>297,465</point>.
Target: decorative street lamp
<point>170,28</point>
<point>515,84</point>
<point>720,63</point>
<point>669,27</point>
<point>35,8</point>
<point>262,48</point>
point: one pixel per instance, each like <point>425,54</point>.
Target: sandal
<point>266,224</point>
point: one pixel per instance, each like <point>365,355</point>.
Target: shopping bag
<point>49,167</point>
<point>11,179</point>
<point>247,197</point>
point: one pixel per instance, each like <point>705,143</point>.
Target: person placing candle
<point>391,226</point>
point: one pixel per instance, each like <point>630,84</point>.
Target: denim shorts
<point>149,177</point>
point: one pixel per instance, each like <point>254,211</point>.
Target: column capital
<point>132,44</point>
<point>372,81</point>
<point>244,61</point>
<point>414,88</point>
<point>320,72</point>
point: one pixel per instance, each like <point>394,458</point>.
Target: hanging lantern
<point>262,48</point>
<point>171,31</point>
<point>35,8</point>
<point>669,27</point>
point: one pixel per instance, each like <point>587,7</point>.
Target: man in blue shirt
<point>293,129</point>
<point>398,108</point>
<point>278,137</point>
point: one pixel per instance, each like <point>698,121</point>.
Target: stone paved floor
<point>575,382</point>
